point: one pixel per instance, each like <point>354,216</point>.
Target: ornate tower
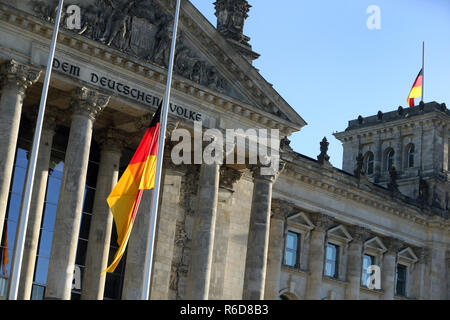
<point>407,149</point>
<point>231,16</point>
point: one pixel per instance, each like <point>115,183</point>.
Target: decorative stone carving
<point>281,209</point>
<point>392,185</point>
<point>359,170</point>
<point>359,234</point>
<point>140,28</point>
<point>17,76</point>
<point>228,177</point>
<point>322,221</point>
<point>88,102</point>
<point>323,157</point>
<point>393,245</point>
<point>423,190</point>
<point>231,15</point>
<point>112,139</point>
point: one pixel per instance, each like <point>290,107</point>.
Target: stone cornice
<point>147,70</point>
<point>354,193</point>
<point>433,118</point>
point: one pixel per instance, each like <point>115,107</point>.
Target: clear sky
<point>330,67</point>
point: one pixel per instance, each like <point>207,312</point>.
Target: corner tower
<point>415,141</point>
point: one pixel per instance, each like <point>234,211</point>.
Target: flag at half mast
<point>417,89</point>
<point>139,176</point>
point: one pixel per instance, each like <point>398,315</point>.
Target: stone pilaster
<point>198,282</point>
<point>354,264</point>
<point>280,209</point>
<point>226,200</point>
<point>378,157</point>
<point>398,163</point>
<point>86,104</point>
<point>420,284</point>
<point>166,227</point>
<point>316,256</point>
<point>15,78</point>
<point>36,207</point>
<point>389,268</point>
<point>258,236</point>
<point>93,286</point>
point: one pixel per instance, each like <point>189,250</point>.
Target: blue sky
<point>324,61</point>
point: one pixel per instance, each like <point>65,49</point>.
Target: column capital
<point>228,177</point>
<point>17,76</point>
<point>322,222</point>
<point>359,234</point>
<point>423,254</point>
<point>259,174</point>
<point>393,245</point>
<point>88,102</point>
<point>281,209</point>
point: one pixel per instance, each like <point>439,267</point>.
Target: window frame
<point>405,280</point>
<point>369,158</point>
<point>297,251</point>
<point>387,160</point>
<point>337,261</point>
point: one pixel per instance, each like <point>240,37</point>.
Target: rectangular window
<point>291,257</point>
<point>368,261</point>
<point>401,280</point>
<point>331,262</point>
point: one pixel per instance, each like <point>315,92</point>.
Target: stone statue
<point>323,156</point>
<point>118,20</point>
<point>392,185</point>
<point>359,170</point>
<point>423,190</point>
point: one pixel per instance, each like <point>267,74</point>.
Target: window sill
<point>294,269</point>
<point>340,282</point>
<point>379,292</point>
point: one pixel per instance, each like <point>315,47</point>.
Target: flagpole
<point>159,162</point>
<point>13,285</point>
<point>423,68</point>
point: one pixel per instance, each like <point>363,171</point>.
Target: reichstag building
<point>224,231</point>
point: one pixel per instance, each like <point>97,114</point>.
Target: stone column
<point>36,208</point>
<point>258,236</point>
<point>135,255</point>
<point>226,200</point>
<point>317,256</point>
<point>421,283</point>
<point>197,287</point>
<point>281,209</point>
<point>166,227</point>
<point>389,268</point>
<point>102,220</point>
<point>15,78</point>
<point>354,264</point>
<point>86,104</point>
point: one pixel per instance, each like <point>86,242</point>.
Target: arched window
<point>389,159</point>
<point>410,156</point>
<point>369,164</point>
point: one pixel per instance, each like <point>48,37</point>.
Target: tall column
<point>86,104</point>
<point>102,220</point>
<point>134,267</point>
<point>199,274</point>
<point>166,227</point>
<point>15,78</point>
<point>226,200</point>
<point>281,209</point>
<point>421,281</point>
<point>354,264</point>
<point>389,268</point>
<point>36,208</point>
<point>258,236</point>
<point>316,256</point>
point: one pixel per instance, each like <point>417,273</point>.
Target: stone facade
<point>223,231</point>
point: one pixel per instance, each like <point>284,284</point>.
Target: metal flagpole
<point>13,285</point>
<point>161,140</point>
<point>423,67</point>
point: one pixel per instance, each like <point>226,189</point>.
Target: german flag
<point>416,90</point>
<point>4,255</point>
<point>139,176</point>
